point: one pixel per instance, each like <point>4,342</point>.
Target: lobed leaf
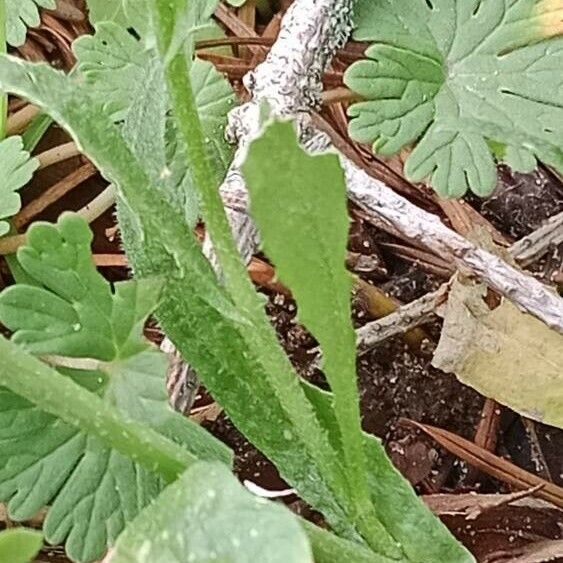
<point>70,311</point>
<point>129,80</point>
<point>452,76</point>
<point>21,14</point>
<point>16,170</point>
<point>207,515</point>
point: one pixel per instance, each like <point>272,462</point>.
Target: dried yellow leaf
<point>504,354</point>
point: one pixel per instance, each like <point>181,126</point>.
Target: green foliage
<point>70,309</point>
<point>219,326</point>
<point>16,170</point>
<point>452,75</point>
<point>195,311</point>
<point>21,14</point>
<point>422,537</point>
<point>19,545</point>
<point>129,81</point>
<point>67,310</point>
<point>62,397</point>
<point>117,11</point>
<point>299,205</point>
<point>135,14</point>
<point>238,527</point>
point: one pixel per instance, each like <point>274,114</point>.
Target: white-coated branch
<point>290,80</point>
<point>416,224</point>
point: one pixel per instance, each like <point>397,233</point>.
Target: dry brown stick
<point>404,319</point>
<point>10,245</point>
<point>491,464</point>
<point>53,194</point>
<point>270,33</point>
<point>247,14</point>
<point>18,121</point>
<point>238,27</point>
<point>57,154</point>
<point>90,212</point>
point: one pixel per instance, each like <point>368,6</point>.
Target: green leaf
<point>129,80</point>
<point>104,11</point>
<point>70,311</point>
<point>19,545</point>
<point>21,14</point>
<point>207,515</point>
<point>195,311</point>
<point>299,205</point>
<point>60,396</point>
<point>135,14</point>
<point>454,75</point>
<point>16,170</point>
<point>422,536</point>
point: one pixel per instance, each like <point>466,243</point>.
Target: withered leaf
<point>504,354</point>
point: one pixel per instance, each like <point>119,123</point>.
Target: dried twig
<point>427,230</point>
<point>491,464</point>
<point>290,79</point>
<point>533,246</point>
<point>404,318</point>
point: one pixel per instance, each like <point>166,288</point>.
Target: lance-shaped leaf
<point>195,311</point>
<point>453,75</point>
<point>16,170</point>
<point>422,536</point>
<point>299,204</point>
<point>71,312</point>
<point>208,516</point>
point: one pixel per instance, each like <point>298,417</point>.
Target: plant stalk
<point>233,270</point>
<point>60,396</point>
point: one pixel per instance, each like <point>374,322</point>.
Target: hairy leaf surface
<point>196,313</point>
<point>207,515</point>
<point>407,518</point>
<point>299,204</point>
<point>129,81</point>
<point>16,170</point>
<point>453,75</point>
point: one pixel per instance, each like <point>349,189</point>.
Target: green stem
<point>236,279</point>
<point>62,397</point>
<point>3,50</point>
